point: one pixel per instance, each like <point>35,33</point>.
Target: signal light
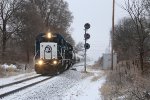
<point>87,26</point>
<point>86,36</point>
<point>86,46</point>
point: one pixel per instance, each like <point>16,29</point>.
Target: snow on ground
<point>85,90</point>
<point>88,88</point>
<point>70,85</point>
<point>16,78</point>
<point>16,86</point>
<point>6,66</point>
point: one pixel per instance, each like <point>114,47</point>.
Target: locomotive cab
<point>52,53</point>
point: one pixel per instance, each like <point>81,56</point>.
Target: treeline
<point>22,20</point>
<point>132,34</point>
<point>129,79</point>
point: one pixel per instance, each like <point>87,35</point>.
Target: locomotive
<point>53,54</point>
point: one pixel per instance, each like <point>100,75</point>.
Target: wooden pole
<point>112,36</point>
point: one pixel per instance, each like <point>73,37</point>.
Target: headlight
<point>49,35</point>
<point>55,62</point>
<point>40,62</point>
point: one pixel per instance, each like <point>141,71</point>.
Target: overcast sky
<point>99,14</point>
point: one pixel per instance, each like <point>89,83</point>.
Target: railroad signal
<point>87,46</point>
<point>86,36</point>
<point>87,26</point>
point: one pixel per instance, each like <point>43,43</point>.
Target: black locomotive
<point>53,54</point>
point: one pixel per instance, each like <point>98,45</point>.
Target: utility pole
<point>112,36</point>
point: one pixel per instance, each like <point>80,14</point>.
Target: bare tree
<point>136,10</point>
<point>31,24</point>
<point>7,9</point>
<point>147,6</point>
<point>125,39</point>
<point>21,20</point>
<point>56,15</point>
<point>69,39</point>
<point>79,47</point>
<point>132,41</point>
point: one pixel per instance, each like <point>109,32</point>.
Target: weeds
<point>126,82</point>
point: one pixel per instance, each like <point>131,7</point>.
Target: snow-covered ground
<point>16,78</point>
<point>70,85</point>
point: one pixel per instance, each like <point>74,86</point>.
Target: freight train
<point>53,54</point>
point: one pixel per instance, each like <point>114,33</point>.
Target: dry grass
<point>106,91</point>
<point>95,78</point>
<point>127,82</point>
<point>8,72</point>
<point>95,66</point>
<point>1,71</point>
<point>87,74</point>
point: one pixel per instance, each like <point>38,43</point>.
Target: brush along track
<point>18,86</point>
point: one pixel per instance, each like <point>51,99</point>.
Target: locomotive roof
<point>58,35</point>
<point>57,38</point>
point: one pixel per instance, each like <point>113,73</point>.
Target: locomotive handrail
<point>35,56</point>
<point>60,54</point>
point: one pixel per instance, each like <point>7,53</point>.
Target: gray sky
<point>99,14</point>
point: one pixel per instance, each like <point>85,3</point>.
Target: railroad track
<point>11,88</point>
<point>9,84</point>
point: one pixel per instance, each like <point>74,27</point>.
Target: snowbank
<point>7,67</point>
